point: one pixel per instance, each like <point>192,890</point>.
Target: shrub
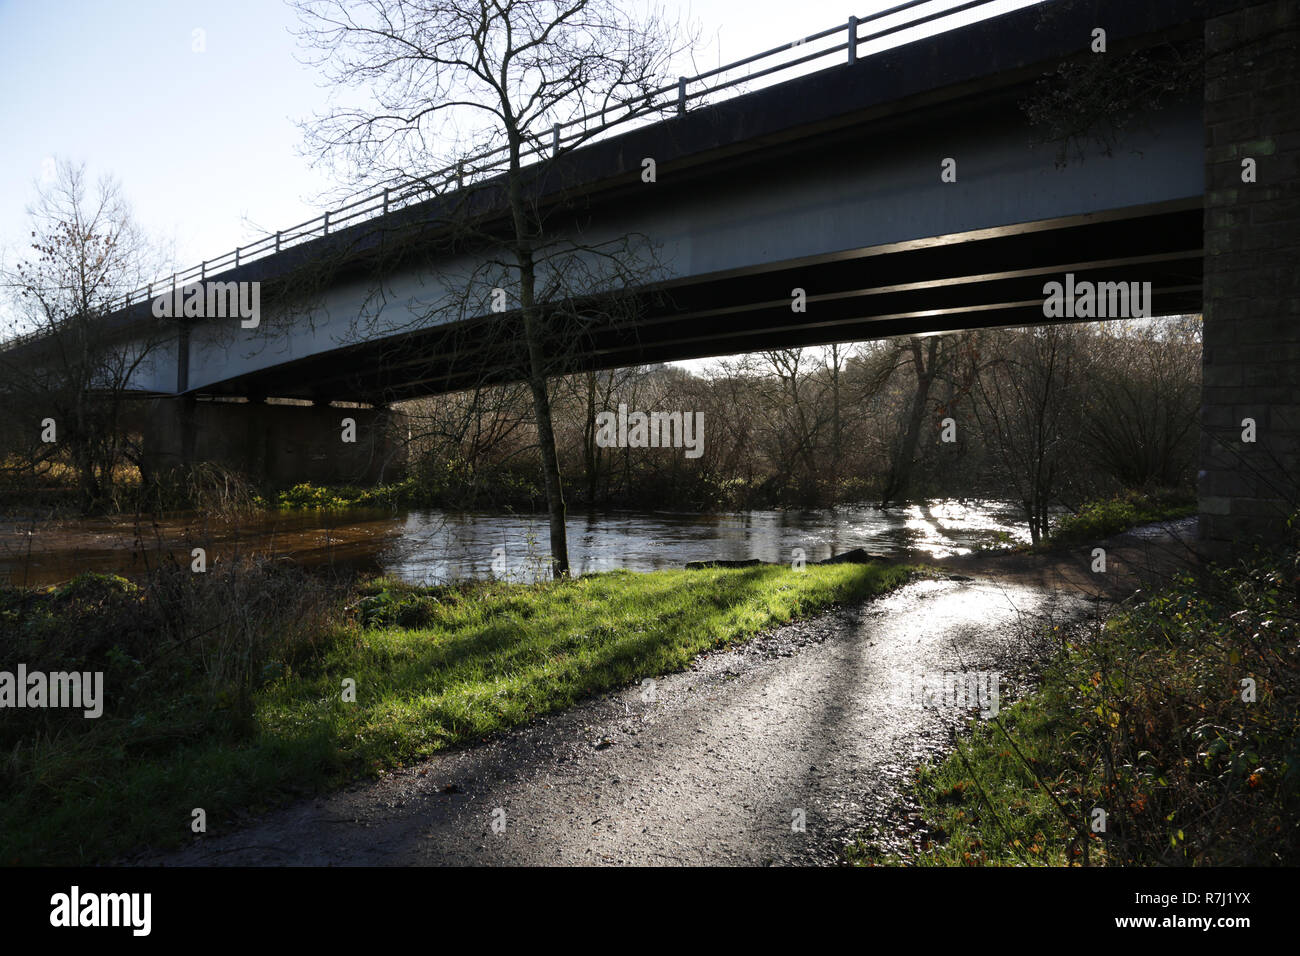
<point>390,607</point>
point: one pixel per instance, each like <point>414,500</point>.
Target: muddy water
<point>435,547</point>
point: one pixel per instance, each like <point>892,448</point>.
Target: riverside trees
<point>1048,416</point>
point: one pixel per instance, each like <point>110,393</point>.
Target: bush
<point>438,484</point>
<point>393,608</point>
<point>177,636</point>
<point>857,489</point>
<point>74,625</point>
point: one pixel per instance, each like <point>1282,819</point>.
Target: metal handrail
<point>391,200</point>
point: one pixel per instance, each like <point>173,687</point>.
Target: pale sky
<point>205,144</point>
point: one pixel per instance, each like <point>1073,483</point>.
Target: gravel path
<point>815,716</point>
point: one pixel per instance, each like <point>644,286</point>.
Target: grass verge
<point>1179,720</point>
<point>232,717</point>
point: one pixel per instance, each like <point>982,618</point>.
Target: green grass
<point>481,659</point>
<point>983,805</point>
<point>308,497</point>
<point>1146,720</point>
<point>1099,519</point>
<point>1096,520</point>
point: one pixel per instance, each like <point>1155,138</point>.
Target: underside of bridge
<point>989,278</point>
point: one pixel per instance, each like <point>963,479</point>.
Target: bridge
<point>899,193</point>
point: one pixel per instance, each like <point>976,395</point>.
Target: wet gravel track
<point>812,716</point>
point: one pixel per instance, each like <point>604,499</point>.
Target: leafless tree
<point>445,83</point>
<point>478,428</point>
<point>1027,404</point>
<point>1142,400</point>
<point>67,363</point>
<point>586,395</point>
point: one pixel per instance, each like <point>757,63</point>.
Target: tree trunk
<point>900,475</point>
<point>591,451</point>
<point>551,474</point>
<point>542,414</point>
<point>836,427</point>
<point>536,360</point>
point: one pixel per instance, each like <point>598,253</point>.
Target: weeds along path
<point>816,721</point>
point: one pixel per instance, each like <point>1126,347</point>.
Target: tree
<point>932,357</point>
<point>1027,404</point>
<point>463,435</point>
<point>72,368</point>
<point>1142,401</point>
<point>481,75</point>
<point>801,416</point>
<point>594,393</point>
<point>837,357</point>
<point>1091,101</point>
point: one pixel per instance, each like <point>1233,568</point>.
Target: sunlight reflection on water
<point>438,547</point>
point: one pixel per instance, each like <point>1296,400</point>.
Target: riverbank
<point>1109,568</point>
<point>235,694</point>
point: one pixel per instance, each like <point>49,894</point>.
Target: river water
<point>435,547</point>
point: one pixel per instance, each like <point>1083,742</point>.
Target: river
<point>435,547</point>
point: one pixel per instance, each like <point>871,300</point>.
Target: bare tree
<point>836,357</point>
<point>471,430</point>
<point>1142,401</point>
<point>926,356</point>
<point>447,82</point>
<point>589,394</point>
<point>798,416</point>
<point>1027,404</point>
<point>69,361</point>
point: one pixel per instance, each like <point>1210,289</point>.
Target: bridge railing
<point>586,128</point>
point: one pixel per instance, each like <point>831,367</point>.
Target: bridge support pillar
<point>275,445</point>
<point>1250,413</point>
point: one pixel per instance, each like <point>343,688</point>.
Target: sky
<point>194,105</point>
